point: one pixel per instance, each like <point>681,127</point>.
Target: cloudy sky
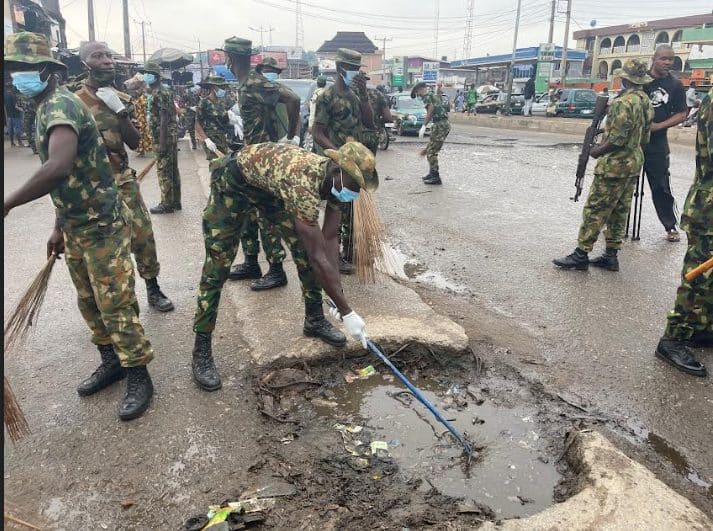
<point>408,23</point>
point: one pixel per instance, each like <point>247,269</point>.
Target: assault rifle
<point>600,110</point>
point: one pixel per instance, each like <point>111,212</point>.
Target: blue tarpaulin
<point>222,70</point>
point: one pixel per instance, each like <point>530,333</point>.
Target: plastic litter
<point>379,448</point>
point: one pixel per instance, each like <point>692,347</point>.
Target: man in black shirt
<point>669,101</point>
<point>13,115</point>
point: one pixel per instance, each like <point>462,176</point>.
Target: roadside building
<point>371,56</point>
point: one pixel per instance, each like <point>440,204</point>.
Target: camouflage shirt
<point>439,109</point>
<point>340,114</point>
<point>88,197</point>
<point>108,125</point>
<point>377,101</point>
<point>162,100</point>
<point>190,99</point>
<point>289,173</point>
<point>213,117</point>
<point>704,140</point>
<point>258,108</point>
<point>628,122</point>
<point>698,210</point>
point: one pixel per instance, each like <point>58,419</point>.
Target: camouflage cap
<point>635,71</point>
<point>348,57</point>
<point>238,46</point>
<point>150,68</point>
<point>29,48</point>
<point>268,61</point>
<point>356,159</point>
<point>213,81</point>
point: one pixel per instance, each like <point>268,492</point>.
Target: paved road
<point>490,233</point>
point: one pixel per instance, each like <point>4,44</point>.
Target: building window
<point>614,65</point>
<point>619,45</point>
<point>662,38</point>
<point>633,44</point>
<point>605,46</point>
<point>676,41</point>
<point>603,69</point>
<point>677,64</point>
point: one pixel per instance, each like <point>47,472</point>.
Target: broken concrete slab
<point>271,321</point>
<point>617,493</point>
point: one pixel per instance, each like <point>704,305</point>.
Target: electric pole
<point>436,17</point>
<point>143,39</point>
<point>563,64</point>
<point>299,25</point>
<point>200,56</point>
<point>551,34</point>
<point>90,14</point>
<point>468,38</point>
<point>262,30</point>
<point>384,40</point>
<point>511,69</point>
<point>127,39</point>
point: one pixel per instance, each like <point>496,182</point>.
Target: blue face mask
<point>349,76</point>
<point>220,93</point>
<point>345,195</point>
<point>270,76</point>
<point>28,83</point>
<point>150,79</point>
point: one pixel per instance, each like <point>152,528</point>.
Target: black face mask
<point>103,76</point>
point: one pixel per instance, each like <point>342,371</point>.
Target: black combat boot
<point>427,176</point>
<point>677,354</point>
<point>177,206</point>
<point>161,209</point>
<point>608,260</point>
<point>204,372</point>
<point>435,178</point>
<point>109,372</point>
<point>193,144</point>
<point>316,325</point>
<point>156,297</point>
<point>701,340</point>
<point>139,390</point>
<point>577,260</point>
<point>249,269</point>
<point>274,278</point>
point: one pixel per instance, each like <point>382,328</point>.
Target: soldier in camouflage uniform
<point>381,113</point>
<point>29,107</point>
<point>435,111</point>
<point>112,111</point>
<point>691,320</point>
<point>287,185</point>
<point>620,157</point>
<point>212,114</point>
<point>343,111</point>
<point>260,98</point>
<point>89,228</point>
<point>164,130</point>
<point>190,102</point>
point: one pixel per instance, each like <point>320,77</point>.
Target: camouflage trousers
<point>439,132</point>
<point>143,244</point>
<point>608,204</point>
<point>270,237</point>
<point>346,231</point>
<point>224,220</point>
<point>693,310</point>
<point>370,138</point>
<point>191,125</point>
<point>99,263</point>
<point>28,127</point>
<point>169,178</point>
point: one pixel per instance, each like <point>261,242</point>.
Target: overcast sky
<point>409,23</point>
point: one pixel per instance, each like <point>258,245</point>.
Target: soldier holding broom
<point>89,228</point>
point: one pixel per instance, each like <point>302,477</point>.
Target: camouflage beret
<point>356,159</point>
<point>348,57</point>
<point>213,81</point>
<point>268,61</point>
<point>238,46</point>
<point>635,71</point>
<point>29,48</point>
<point>150,68</point>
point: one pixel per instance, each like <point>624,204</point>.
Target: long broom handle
<point>693,274</point>
<point>143,172</point>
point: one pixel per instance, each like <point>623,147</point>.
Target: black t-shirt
<point>668,98</point>
<point>10,101</point>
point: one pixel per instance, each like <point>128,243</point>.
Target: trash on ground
<point>379,448</point>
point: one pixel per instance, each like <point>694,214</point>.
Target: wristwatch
<point>123,113</point>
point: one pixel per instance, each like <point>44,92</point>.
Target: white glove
<point>194,109</point>
<point>422,132</point>
<point>109,96</point>
<point>295,140</point>
<point>334,312</point>
<point>211,145</point>
<point>355,326</point>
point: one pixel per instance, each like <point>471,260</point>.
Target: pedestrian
<point>321,84</point>
<point>13,114</point>
<point>381,113</point>
<point>212,114</point>
<point>529,95</point>
<point>136,87</point>
<point>620,158</point>
<point>259,98</point>
<point>436,112</point>
<point>190,102</point>
<point>112,111</point>
<point>164,133</point>
<point>343,111</point>
<point>669,101</point>
<point>471,99</point>
<point>29,108</point>
<point>692,100</point>
<point>691,320</point>
<point>89,228</point>
<point>459,101</point>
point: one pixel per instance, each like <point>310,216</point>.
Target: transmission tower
<point>468,38</point>
<point>299,25</point>
<point>436,18</point>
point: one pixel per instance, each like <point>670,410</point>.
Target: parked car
<point>539,106</point>
<point>495,103</point>
<point>409,114</point>
<point>576,103</point>
<point>304,88</point>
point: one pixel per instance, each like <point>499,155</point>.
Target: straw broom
<point>369,238</point>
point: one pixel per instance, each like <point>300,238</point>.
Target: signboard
<point>397,75</point>
<point>216,57</point>
<point>430,72</point>
<point>542,77</point>
<point>546,53</point>
<point>293,52</point>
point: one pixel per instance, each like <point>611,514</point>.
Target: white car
<point>539,106</point>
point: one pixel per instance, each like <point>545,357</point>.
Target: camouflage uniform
<point>283,182</point>
<point>439,131</point>
<point>340,114</point>
<point>213,117</point>
<point>29,108</point>
<point>191,99</point>
<point>370,137</point>
<point>615,175</point>
<point>169,178</point>
<point>96,236</point>
<point>694,300</point>
<point>143,244</point>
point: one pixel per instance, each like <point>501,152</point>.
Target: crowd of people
<point>265,188</point>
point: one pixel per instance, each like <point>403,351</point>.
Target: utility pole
<point>563,64</point>
<point>299,25</point>
<point>511,69</point>
<point>90,14</point>
<point>551,34</point>
<point>436,17</point>
<point>383,56</point>
<point>262,30</point>
<point>200,56</point>
<point>143,39</point>
<point>127,39</point>
<point>468,38</point>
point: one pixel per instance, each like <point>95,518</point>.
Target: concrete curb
<point>618,494</point>
<point>567,126</point>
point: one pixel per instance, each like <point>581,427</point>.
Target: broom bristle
<point>369,238</point>
<point>14,418</point>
